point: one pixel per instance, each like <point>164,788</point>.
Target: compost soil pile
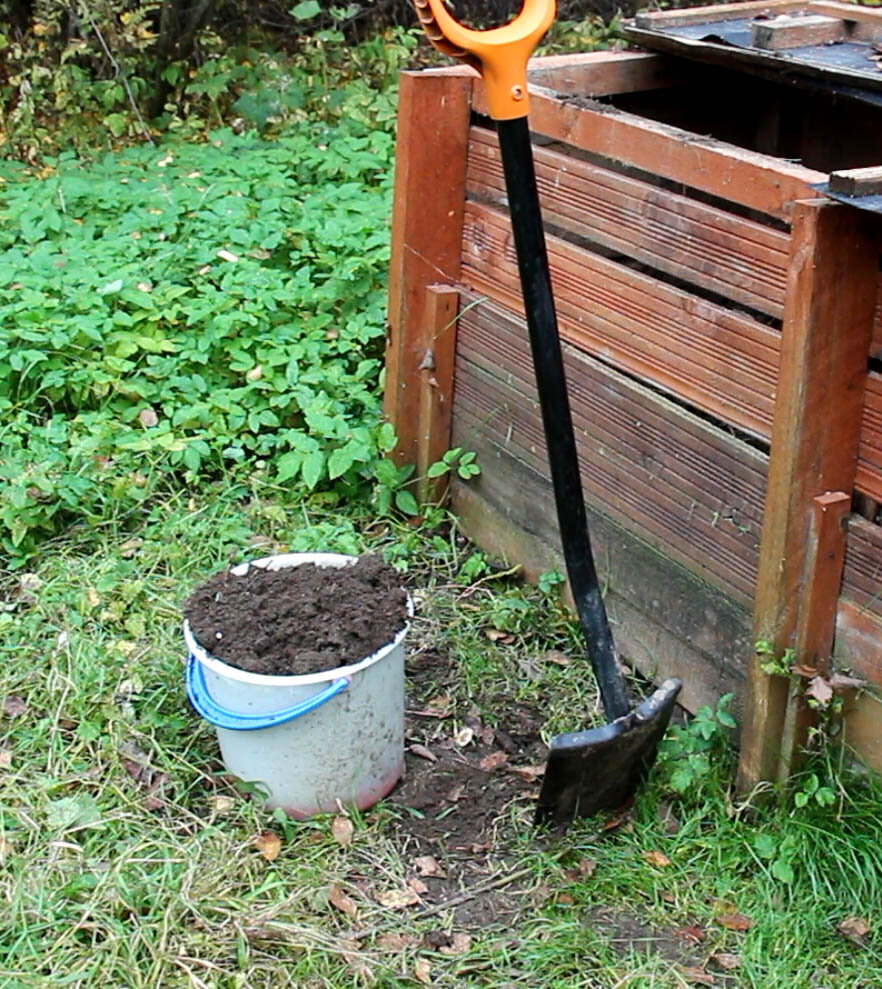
<point>298,620</point>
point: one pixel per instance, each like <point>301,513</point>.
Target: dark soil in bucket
<point>298,620</point>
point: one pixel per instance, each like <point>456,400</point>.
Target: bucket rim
<point>282,561</point>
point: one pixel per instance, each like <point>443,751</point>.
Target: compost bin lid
<point>817,45</point>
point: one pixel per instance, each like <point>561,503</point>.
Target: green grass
<point>100,889</point>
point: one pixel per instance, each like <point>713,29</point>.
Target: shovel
<point>601,768</point>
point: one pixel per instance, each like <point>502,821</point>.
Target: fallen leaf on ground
<point>342,830</point>
<point>417,885</point>
<point>854,928</point>
<point>423,752</point>
<point>668,819</point>
<point>129,548</point>
<point>656,858</point>
<point>557,657</point>
<point>422,971</point>
<point>397,899</point>
<point>493,761</point>
<point>666,896</point>
<point>528,773</point>
<point>148,418</point>
<point>428,865</point>
<point>726,960</point>
<point>456,793</point>
<point>221,803</point>
<point>694,934</point>
<point>820,690</point>
<point>269,844</point>
<point>735,921</point>
<point>5,758</point>
<point>586,868</point>
<point>338,899</point>
<point>439,706</point>
<point>459,945</point>
<point>6,848</point>
<point>14,706</point>
<point>496,634</point>
<point>696,975</point>
<point>464,736</point>
<point>566,899</point>
<point>393,941</point>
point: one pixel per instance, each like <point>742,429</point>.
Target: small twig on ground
<point>454,901</point>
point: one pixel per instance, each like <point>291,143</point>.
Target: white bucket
<point>311,742</point>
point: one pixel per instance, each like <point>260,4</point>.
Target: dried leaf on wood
<point>839,681</point>
<point>269,844</point>
<point>342,830</point>
<point>820,690</point>
<point>340,901</point>
<point>735,921</point>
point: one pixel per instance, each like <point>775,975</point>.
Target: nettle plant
<point>190,311</point>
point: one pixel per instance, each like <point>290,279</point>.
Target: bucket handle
<point>208,708</point>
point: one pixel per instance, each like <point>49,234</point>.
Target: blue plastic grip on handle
<point>208,708</point>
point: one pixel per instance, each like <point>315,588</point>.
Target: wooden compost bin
<point>720,327</point>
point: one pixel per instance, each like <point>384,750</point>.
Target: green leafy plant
<point>686,755</point>
<point>456,460</point>
<point>550,580</point>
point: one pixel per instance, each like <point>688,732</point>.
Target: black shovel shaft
<point>526,220</point>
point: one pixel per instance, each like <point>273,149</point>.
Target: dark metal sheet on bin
<point>873,204</point>
<point>844,66</point>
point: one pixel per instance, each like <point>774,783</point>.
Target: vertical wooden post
<point>828,318</point>
<point>436,385</point>
<point>816,624</point>
<point>430,170</point>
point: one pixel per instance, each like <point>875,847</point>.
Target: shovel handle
<point>500,54</point>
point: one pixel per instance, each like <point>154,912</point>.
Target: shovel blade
<point>597,770</point>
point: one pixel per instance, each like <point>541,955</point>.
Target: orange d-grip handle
<point>500,54</point>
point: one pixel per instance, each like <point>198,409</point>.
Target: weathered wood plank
<point>876,345</point>
<point>604,73</point>
<point>816,623</point>
<point>825,339</point>
<point>862,575</point>
<point>713,12</point>
<point>757,181</point>
<point>720,252</point>
<point>431,151</point>
<point>436,385</point>
<point>785,32</point>
<point>721,362</point>
<point>857,181</point>
<point>683,485</point>
<point>869,472</point>
<point>664,620</point>
<point>858,645</point>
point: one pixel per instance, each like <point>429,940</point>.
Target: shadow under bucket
<point>314,741</point>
